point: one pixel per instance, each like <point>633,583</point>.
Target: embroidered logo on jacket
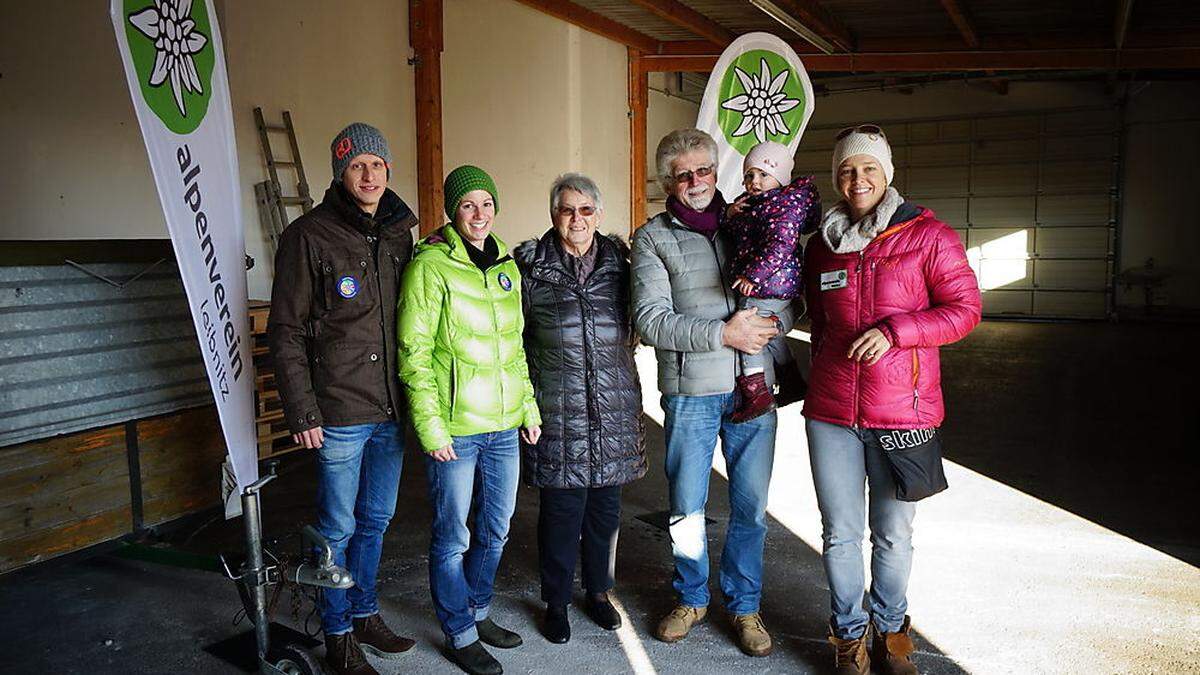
<point>505,282</point>
<point>347,287</point>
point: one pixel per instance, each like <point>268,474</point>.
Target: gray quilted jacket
<point>681,300</point>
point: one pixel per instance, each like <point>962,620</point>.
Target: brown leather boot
<point>344,656</point>
<point>754,398</point>
<point>790,386</point>
<point>890,651</point>
<point>374,636</point>
<point>676,625</point>
<point>851,655</point>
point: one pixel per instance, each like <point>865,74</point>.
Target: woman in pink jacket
<point>886,284</point>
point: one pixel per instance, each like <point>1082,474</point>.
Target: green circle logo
<point>761,99</point>
<point>173,56</point>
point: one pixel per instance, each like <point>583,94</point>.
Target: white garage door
<point>1032,195</point>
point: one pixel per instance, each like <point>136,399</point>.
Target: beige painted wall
<point>664,114</point>
<point>84,173</point>
<point>528,97</point>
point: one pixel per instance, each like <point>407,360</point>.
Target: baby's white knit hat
<point>773,159</point>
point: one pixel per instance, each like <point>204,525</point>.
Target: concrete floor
<point>1066,544</point>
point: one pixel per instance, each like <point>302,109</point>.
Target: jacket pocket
<point>916,378</point>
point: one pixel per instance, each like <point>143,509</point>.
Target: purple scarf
<point>703,222</point>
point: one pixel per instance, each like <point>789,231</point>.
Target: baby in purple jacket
<point>766,224</point>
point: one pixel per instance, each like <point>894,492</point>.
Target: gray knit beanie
<point>353,141</point>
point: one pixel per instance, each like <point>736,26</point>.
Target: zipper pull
<point>916,397</point>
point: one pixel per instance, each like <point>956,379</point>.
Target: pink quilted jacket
<point>913,283</point>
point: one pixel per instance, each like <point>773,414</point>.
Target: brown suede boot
<point>754,398</point>
<point>790,386</point>
<point>676,625</point>
<point>344,656</point>
<point>890,651</point>
<point>851,655</point>
<point>374,636</point>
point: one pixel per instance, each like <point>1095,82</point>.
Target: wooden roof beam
<point>687,18</point>
<point>596,23</point>
<point>959,17</point>
<point>1124,9</point>
<point>1185,58</point>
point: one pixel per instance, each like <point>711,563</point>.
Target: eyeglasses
<point>861,129</point>
<point>686,176</point>
<point>583,211</point>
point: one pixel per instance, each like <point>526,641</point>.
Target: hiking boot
<point>851,655</point>
<point>790,386</point>
<point>600,610</point>
<point>890,651</point>
<point>754,398</point>
<point>753,637</point>
<point>475,660</point>
<point>374,636</point>
<point>676,625</point>
<point>555,625</point>
<point>343,656</point>
<point>494,635</point>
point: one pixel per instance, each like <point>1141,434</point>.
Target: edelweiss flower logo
<point>763,103</point>
<point>168,23</point>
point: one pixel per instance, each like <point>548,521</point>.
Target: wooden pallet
<point>274,438</point>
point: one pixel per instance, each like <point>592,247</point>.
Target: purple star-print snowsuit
<point>768,252</point>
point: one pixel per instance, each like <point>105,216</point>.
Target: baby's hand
<point>743,286</point>
<point>736,208</point>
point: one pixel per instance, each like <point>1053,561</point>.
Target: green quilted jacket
<point>460,343</point>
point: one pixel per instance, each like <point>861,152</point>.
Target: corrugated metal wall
<point>1032,195</point>
<point>78,353</point>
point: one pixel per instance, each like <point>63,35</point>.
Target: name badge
<point>831,281</point>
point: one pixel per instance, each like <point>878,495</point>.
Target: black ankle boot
<point>555,625</point>
<point>600,610</point>
<point>494,635</point>
<point>475,660</point>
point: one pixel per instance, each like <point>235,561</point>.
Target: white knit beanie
<point>859,143</point>
<point>773,159</point>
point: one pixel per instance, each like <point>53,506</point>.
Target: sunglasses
<point>583,211</point>
<point>686,176</point>
<point>860,129</point>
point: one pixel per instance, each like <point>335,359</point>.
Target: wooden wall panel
<point>181,463</point>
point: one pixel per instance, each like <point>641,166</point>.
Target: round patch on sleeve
<point>347,287</point>
<point>505,282</point>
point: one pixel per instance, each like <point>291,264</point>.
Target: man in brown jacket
<point>332,333</point>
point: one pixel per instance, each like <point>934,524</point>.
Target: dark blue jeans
<point>463,563</point>
<point>693,424</point>
<point>356,497</point>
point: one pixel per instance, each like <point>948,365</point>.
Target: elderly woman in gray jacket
<point>684,306</point>
<point>579,343</point>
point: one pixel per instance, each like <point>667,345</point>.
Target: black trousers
<point>571,519</point>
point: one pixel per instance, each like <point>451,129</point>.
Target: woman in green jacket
<point>463,365</point>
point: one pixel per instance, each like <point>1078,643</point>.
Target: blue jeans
<point>843,460</point>
<point>462,563</point>
<point>359,476</point>
<point>692,425</point>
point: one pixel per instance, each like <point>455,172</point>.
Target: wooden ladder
<point>272,203</point>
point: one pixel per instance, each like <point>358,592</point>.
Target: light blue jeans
<point>462,562</point>
<point>844,459</point>
<point>358,478</point>
<point>693,424</point>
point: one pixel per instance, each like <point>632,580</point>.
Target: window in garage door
<point>1032,195</point>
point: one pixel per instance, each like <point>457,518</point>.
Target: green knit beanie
<point>464,179</point>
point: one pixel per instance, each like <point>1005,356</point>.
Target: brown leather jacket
<point>332,328</point>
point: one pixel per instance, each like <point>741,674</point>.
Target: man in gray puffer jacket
<point>684,307</point>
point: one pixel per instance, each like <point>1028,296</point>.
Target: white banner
<point>758,91</point>
<point>175,66</point>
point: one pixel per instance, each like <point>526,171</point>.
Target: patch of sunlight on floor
<point>631,644</point>
<point>1005,582</point>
